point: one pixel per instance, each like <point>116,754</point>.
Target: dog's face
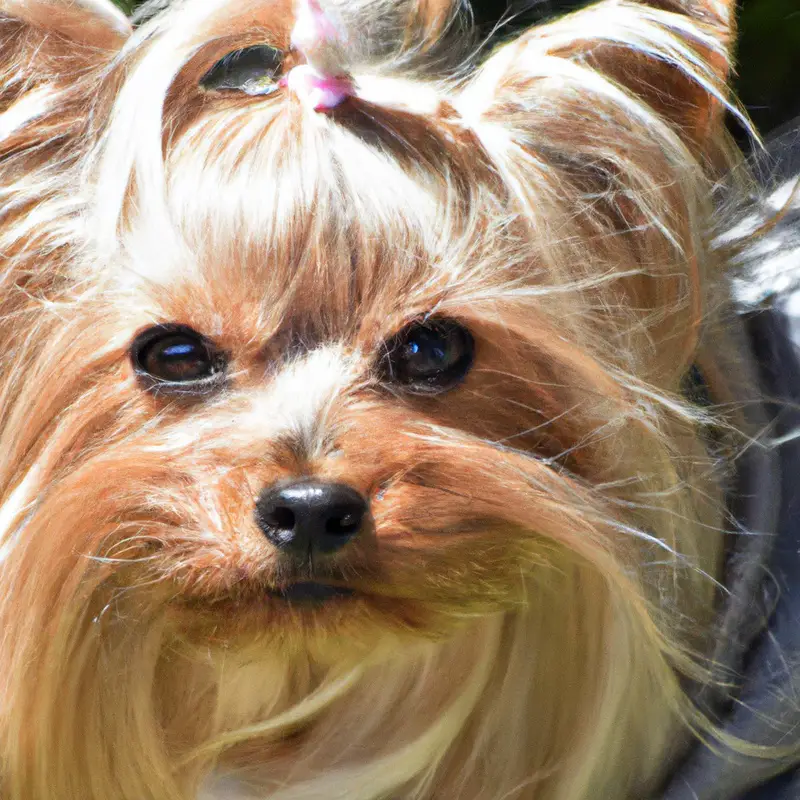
<point>322,381</point>
<point>347,414</point>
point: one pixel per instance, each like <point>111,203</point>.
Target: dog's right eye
<point>252,70</point>
<point>175,354</point>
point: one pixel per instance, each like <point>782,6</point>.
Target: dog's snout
<point>310,516</point>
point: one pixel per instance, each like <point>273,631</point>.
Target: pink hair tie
<point>319,91</point>
<point>322,82</point>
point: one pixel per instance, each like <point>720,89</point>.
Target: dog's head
<point>324,386</point>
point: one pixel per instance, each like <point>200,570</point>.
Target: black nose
<point>310,516</point>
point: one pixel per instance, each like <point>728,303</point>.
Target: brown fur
<point>539,567</point>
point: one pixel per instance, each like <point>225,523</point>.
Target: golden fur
<point>540,569</point>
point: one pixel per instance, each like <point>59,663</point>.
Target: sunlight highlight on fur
<point>532,598</point>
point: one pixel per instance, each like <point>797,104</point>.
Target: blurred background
<point>768,80</point>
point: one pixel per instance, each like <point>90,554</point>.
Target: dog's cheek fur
<point>534,545</point>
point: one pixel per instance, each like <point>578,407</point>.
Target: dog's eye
<point>428,357</point>
<point>173,354</point>
<point>252,70</point>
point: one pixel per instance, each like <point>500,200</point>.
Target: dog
<point>346,444</point>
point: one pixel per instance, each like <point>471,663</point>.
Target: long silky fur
<point>547,536</point>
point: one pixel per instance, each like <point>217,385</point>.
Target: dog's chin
<point>306,613</point>
<point>311,593</point>
<point>333,618</point>
<point>308,594</point>
<point>361,602</point>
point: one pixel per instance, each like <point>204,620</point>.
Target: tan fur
<point>545,540</point>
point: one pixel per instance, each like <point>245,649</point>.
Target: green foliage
<point>769,60</point>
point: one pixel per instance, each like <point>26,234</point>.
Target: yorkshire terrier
<point>346,444</point>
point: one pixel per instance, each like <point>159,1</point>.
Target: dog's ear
<point>674,55</point>
<point>83,23</point>
<point>49,52</point>
<point>607,127</point>
<point>51,44</point>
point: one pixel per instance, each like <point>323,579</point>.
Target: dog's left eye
<point>175,354</point>
<point>429,357</point>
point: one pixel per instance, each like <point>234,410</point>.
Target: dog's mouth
<point>310,592</point>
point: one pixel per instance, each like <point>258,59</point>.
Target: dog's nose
<point>310,516</point>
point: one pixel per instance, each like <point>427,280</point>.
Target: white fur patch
<point>408,95</point>
<point>294,405</point>
<point>297,403</point>
<point>30,106</point>
<point>22,496</point>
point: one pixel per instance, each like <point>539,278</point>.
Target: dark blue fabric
<point>784,787</point>
<point>780,674</point>
<point>767,708</point>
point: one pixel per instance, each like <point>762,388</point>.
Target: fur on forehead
<point>444,186</point>
<point>582,53</point>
